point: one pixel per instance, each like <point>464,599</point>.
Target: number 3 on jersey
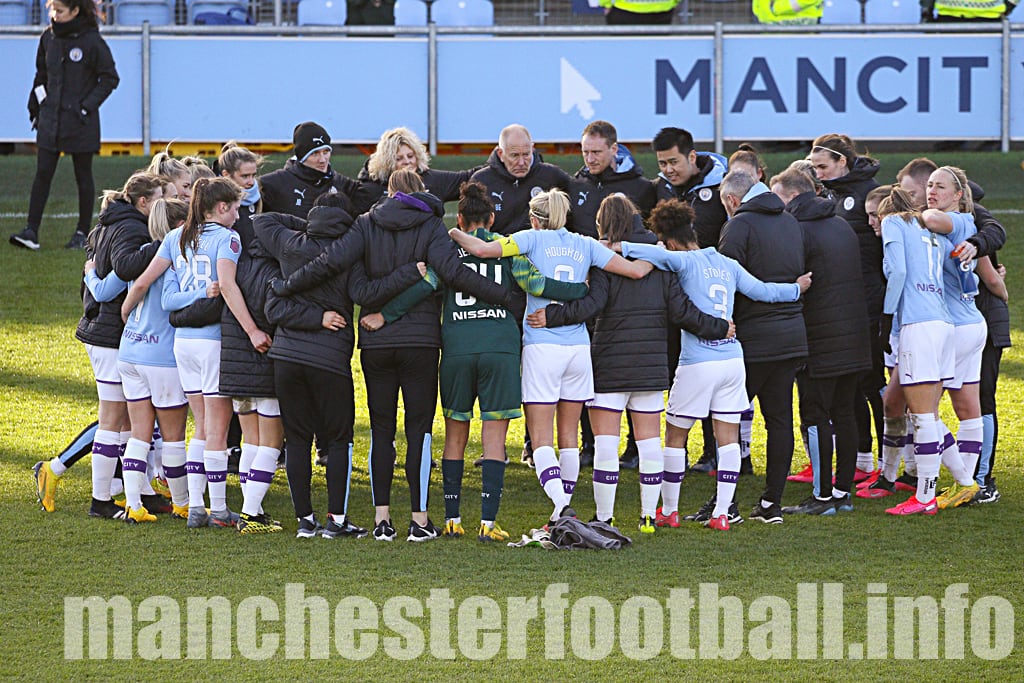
<point>720,296</point>
<point>489,270</point>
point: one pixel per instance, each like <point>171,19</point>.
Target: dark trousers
<point>620,17</point>
<point>414,371</point>
<point>314,401</point>
<point>772,384</point>
<point>990,358</point>
<point>827,406</point>
<point>46,167</point>
<point>868,410</point>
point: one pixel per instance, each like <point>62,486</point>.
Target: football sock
<point>174,471</point>
<point>569,465</point>
<point>451,476</point>
<point>728,474</point>
<point>550,476</point>
<point>970,437</point>
<point>492,473</point>
<point>105,453</point>
<point>261,474</point>
<point>606,474</point>
<point>195,471</point>
<point>672,478</point>
<point>245,464</point>
<point>926,451</point>
<point>133,465</point>
<point>216,463</point>
<point>652,465</point>
<point>894,438</point>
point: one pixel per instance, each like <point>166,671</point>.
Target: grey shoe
<point>198,518</point>
<point>223,518</point>
<point>77,241</point>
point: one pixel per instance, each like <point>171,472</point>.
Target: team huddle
<point>212,290</point>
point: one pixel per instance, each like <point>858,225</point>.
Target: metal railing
<point>719,31</point>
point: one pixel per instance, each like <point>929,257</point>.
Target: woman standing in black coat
<point>74,75</point>
<point>848,178</point>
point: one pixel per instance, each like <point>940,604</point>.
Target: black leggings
<point>314,401</point>
<point>414,371</point>
<point>46,167</point>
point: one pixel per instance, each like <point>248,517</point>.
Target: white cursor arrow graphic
<point>577,92</point>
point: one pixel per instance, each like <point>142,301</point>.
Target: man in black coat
<point>307,175</point>
<point>608,168</point>
<point>514,175</point>
<point>694,177</point>
<point>768,242</point>
<point>838,342</point>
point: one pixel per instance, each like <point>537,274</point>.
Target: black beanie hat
<point>309,137</point>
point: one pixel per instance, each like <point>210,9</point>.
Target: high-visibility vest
<point>642,6</point>
<point>788,12</point>
<point>971,9</point>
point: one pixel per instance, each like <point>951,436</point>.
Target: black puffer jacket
<point>114,244</point>
<point>399,232</point>
<point>848,193</point>
<point>244,371</point>
<point>442,184</point>
<point>996,313</point>
<point>835,315</point>
<point>294,188</point>
<point>75,66</point>
<point>301,337</point>
<point>587,191</point>
<point>629,343</point>
<point>768,242</point>
<point>511,195</point>
<point>701,193</point>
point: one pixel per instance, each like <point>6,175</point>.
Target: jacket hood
<point>977,191</point>
<point>810,207</point>
<point>864,168</point>
<point>328,222</point>
<point>766,203</point>
<point>364,172</point>
<point>711,168</point>
<point>119,210</point>
<point>625,168</point>
<point>256,250</point>
<point>405,211</point>
<point>307,174</point>
<point>639,234</point>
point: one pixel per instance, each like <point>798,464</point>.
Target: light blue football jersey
<point>914,268</point>
<point>711,280</point>
<point>148,337</point>
<point>565,256</point>
<point>962,309</point>
<point>194,271</point>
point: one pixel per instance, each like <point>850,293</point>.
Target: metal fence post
<point>1004,125</point>
<point>432,87</point>
<point>147,131</point>
<point>718,65</point>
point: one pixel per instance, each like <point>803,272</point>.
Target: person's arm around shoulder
<point>581,310</point>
